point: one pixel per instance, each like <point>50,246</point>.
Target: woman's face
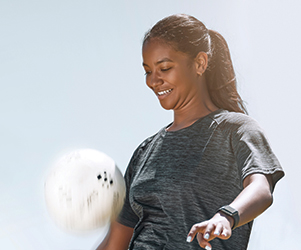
<point>170,74</point>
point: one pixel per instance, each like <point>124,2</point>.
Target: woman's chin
<point>166,106</point>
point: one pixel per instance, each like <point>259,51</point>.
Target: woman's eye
<point>147,73</point>
<point>165,69</point>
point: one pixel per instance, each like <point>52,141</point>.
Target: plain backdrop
<point>71,77</point>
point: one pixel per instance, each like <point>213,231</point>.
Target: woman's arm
<point>118,237</point>
<point>255,198</point>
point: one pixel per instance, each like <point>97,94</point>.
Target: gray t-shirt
<point>179,178</point>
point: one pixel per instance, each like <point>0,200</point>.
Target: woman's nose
<point>155,80</point>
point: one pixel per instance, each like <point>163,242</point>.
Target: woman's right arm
<point>118,237</point>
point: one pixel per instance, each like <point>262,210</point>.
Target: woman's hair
<point>190,36</point>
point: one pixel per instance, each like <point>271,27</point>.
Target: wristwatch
<point>231,212</point>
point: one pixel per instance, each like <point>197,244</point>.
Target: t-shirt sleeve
<point>127,216</point>
<point>253,152</point>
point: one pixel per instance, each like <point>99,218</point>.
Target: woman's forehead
<point>158,50</point>
<point>156,43</point>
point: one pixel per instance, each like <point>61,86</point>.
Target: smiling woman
<point>172,78</point>
<point>210,172</point>
<point>190,36</point>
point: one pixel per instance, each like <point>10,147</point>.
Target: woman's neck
<point>198,106</point>
<point>184,118</point>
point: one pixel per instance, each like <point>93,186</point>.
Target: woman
<point>210,172</point>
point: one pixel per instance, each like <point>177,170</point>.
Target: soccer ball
<point>85,190</point>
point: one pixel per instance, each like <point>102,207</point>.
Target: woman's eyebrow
<point>164,60</point>
<point>160,61</point>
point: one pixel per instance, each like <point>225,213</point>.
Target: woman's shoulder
<point>237,123</point>
<point>147,142</point>
<point>230,118</point>
<point>141,149</point>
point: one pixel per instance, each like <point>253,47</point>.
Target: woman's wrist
<point>227,217</point>
<point>231,212</point>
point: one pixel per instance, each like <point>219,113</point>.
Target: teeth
<point>164,92</point>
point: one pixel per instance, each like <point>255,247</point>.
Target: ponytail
<point>220,76</point>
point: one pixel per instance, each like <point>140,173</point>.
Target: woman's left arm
<point>254,199</point>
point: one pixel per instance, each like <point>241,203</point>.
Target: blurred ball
<point>84,190</point>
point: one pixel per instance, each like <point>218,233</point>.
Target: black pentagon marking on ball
<point>111,182</point>
<point>99,177</point>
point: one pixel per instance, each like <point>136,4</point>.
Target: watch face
<point>229,209</point>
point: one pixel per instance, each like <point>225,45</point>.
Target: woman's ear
<point>201,63</point>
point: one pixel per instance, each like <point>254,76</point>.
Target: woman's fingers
<point>203,233</point>
<point>218,230</point>
<point>206,231</point>
<point>203,242</point>
<point>207,235</point>
<point>225,233</point>
<point>196,228</point>
<point>222,232</point>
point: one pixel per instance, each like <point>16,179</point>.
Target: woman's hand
<point>255,198</point>
<point>219,226</point>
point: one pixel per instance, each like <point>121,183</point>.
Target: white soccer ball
<point>85,190</point>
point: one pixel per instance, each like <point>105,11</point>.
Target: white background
<point>71,77</point>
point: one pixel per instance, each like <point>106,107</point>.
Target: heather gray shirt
<point>179,178</point>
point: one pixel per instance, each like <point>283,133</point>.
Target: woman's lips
<point>163,93</point>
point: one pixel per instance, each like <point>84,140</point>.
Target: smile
<point>164,92</point>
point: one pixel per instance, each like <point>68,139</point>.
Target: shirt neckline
<point>165,132</point>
